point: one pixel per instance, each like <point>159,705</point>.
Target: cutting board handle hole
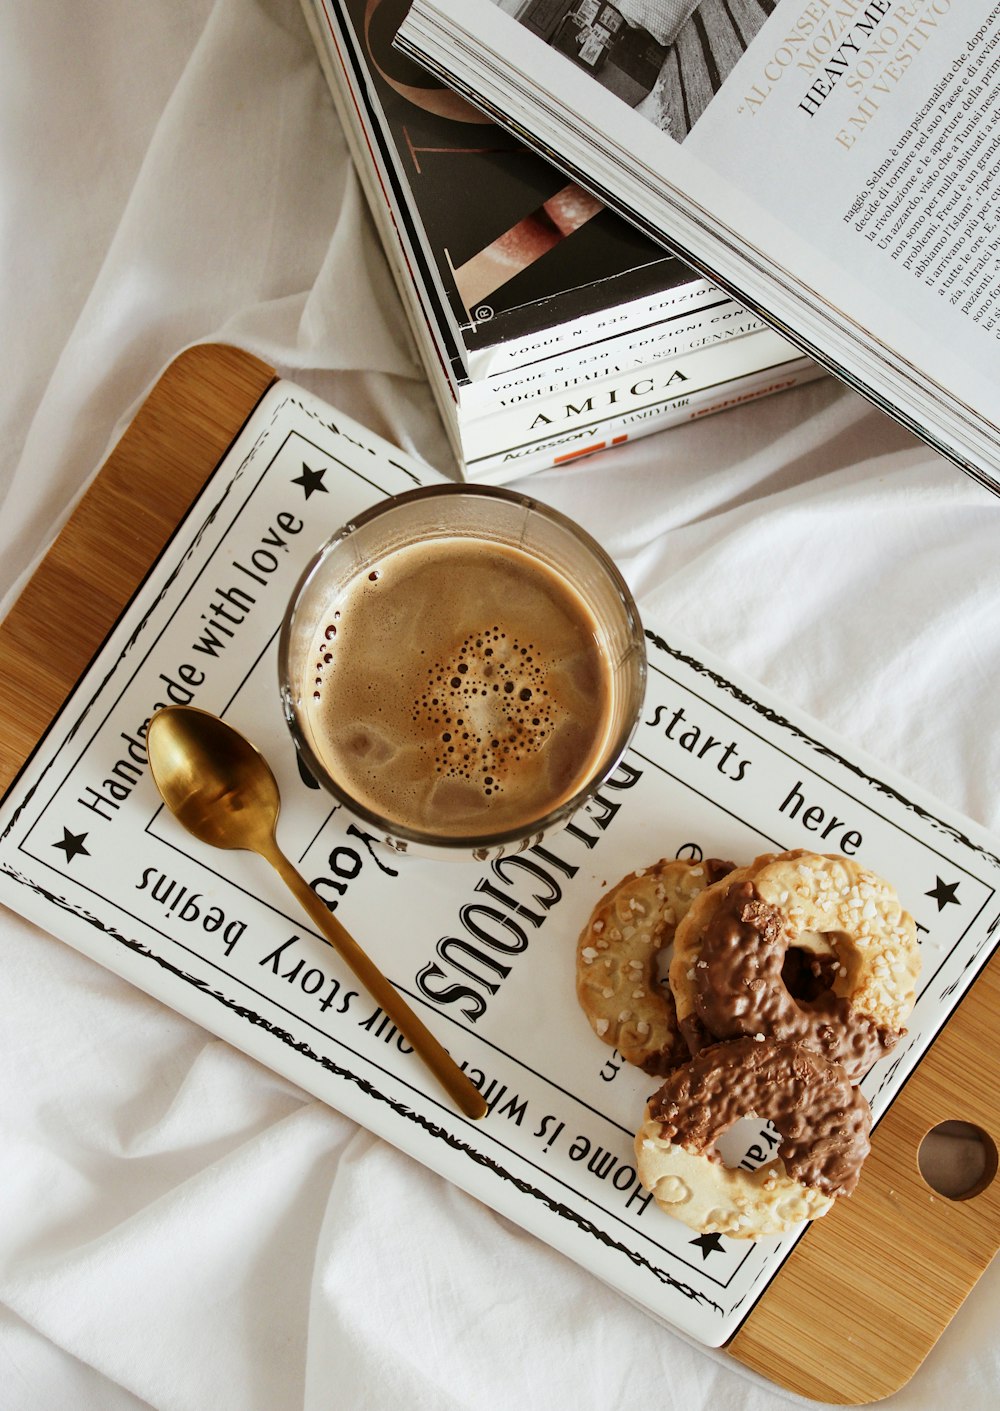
<point>957,1159</point>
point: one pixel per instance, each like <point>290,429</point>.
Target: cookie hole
<point>806,975</point>
<point>957,1159</point>
<point>661,966</point>
<point>747,1144</point>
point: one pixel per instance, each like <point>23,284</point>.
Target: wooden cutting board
<point>869,1289</point>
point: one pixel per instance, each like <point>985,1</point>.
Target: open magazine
<point>833,164</point>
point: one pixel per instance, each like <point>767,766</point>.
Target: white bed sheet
<point>179,1228</point>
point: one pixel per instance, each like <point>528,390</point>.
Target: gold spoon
<point>222,790</point>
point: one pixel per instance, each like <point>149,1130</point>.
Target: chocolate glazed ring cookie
<point>726,972</point>
<point>616,961</point>
<point>822,1118</point>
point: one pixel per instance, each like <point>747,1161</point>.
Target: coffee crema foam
<point>460,688</point>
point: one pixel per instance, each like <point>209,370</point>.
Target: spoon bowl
<point>221,789</point>
<point>213,780</point>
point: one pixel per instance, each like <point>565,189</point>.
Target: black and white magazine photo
<point>666,58</point>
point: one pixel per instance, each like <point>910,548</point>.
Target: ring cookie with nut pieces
<point>617,956</point>
<point>730,950</point>
<point>822,1118</point>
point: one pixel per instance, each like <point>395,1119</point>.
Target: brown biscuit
<point>616,961</point>
<point>727,969</point>
<point>822,1118</point>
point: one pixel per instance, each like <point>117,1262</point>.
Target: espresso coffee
<point>458,687</point>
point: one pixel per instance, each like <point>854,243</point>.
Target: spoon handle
<point>457,1085</point>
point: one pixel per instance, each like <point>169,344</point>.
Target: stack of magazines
<point>833,165</point>
<point>549,327</point>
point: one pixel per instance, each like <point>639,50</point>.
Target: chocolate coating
<point>823,1120</point>
<point>739,989</point>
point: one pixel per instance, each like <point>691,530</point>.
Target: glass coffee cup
<point>461,667</point>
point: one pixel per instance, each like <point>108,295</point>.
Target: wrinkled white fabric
<point>179,1228</point>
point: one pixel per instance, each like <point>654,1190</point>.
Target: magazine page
<point>833,163</point>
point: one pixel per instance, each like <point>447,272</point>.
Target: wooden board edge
<point>122,523</point>
<point>895,1261</point>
